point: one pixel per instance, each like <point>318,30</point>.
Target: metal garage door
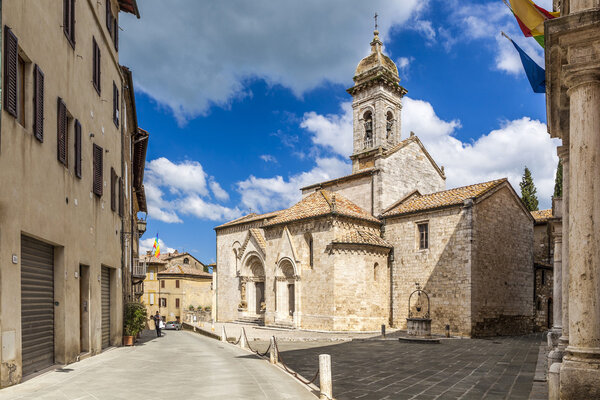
<point>37,304</point>
<point>105,293</point>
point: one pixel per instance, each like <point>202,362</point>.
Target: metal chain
<point>294,374</point>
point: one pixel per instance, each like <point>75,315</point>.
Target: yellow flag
<point>529,15</point>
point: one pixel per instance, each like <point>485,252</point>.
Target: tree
<point>528,191</point>
<point>558,180</point>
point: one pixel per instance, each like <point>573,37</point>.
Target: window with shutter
<point>62,139</point>
<point>113,189</point>
<point>121,199</point>
<point>69,20</point>
<point>38,103</point>
<point>109,17</point>
<point>78,149</point>
<point>21,91</point>
<point>98,153</point>
<point>115,104</point>
<point>176,303</point>
<point>96,66</point>
<point>116,33</point>
<point>11,60</point>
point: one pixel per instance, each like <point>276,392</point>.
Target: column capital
<point>563,152</point>
<point>581,74</point>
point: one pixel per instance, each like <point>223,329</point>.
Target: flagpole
<point>505,35</point>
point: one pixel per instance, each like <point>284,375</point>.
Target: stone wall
<point>542,246</point>
<point>502,271</point>
<point>356,190</point>
<point>543,298</point>
<point>443,270</point>
<point>404,171</point>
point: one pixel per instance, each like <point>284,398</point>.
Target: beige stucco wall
<point>191,291</point>
<point>442,270</point>
<point>41,197</point>
<point>502,266</point>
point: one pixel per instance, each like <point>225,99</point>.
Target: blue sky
<point>245,101</point>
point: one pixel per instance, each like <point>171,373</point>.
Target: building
<point>347,256</point>
<point>573,108</point>
<point>543,260</point>
<point>173,282</point>
<point>62,161</point>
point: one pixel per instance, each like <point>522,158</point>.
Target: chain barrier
<point>226,336</point>
<point>294,374</point>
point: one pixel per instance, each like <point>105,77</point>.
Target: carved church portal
<point>260,295</point>
<point>252,287</point>
<point>285,286</point>
<point>291,299</point>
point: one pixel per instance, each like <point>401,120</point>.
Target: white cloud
<point>418,116</point>
<point>269,194</point>
<point>268,158</point>
<point>333,132</point>
<point>179,46</point>
<point>147,244</point>
<point>425,28</point>
<point>403,64</point>
<point>218,191</point>
<point>176,188</point>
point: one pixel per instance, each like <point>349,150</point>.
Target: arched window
<point>186,260</point>
<point>368,118</point>
<point>311,251</point>
<point>376,272</point>
<point>389,125</point>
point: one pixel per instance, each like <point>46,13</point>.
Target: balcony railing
<point>368,143</point>
<point>139,270</point>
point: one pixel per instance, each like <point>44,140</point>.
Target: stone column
<point>580,372</point>
<point>556,354</point>
<point>563,341</point>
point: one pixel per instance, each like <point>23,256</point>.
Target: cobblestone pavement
<point>180,365</point>
<point>498,368</point>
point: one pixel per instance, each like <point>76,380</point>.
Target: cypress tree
<point>528,191</point>
<point>558,180</point>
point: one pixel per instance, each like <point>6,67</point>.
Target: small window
<point>78,149</point>
<point>69,20</point>
<point>177,283</point>
<point>151,275</point>
<point>163,302</point>
<point>539,305</point>
<point>98,184</point>
<point>176,303</point>
<point>113,189</point>
<point>38,103</point>
<point>423,235</point>
<point>62,132</point>
<point>376,272</point>
<point>115,104</point>
<point>187,260</point>
<point>368,124</point>
<point>311,251</point>
<point>543,277</point>
<point>162,284</point>
<point>151,298</point>
<point>96,66</point>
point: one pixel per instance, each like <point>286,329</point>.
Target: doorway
<point>84,308</point>
<point>291,299</point>
<point>260,295</point>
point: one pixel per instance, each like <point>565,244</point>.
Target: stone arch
<point>389,124</point>
<point>235,250</point>
<point>252,285</point>
<point>368,124</point>
<point>286,292</point>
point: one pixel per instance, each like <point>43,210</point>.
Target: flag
<point>535,73</point>
<point>156,247</point>
<point>530,18</point>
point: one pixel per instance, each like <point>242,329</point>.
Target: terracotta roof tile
<point>541,215</point>
<point>259,238</point>
<point>249,218</point>
<point>319,203</point>
<point>362,237</point>
<point>360,174</point>
<point>445,198</point>
<point>184,270</point>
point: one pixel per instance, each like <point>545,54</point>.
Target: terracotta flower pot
<point>127,340</point>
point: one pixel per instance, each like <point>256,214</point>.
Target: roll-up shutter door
<point>37,305</point>
<point>105,307</point>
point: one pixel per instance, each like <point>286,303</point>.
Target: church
<point>350,253</point>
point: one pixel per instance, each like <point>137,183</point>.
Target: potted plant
<point>191,308</point>
<point>134,321</point>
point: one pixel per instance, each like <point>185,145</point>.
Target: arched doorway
<point>252,287</point>
<point>285,292</point>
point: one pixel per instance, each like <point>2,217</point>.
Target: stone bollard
<point>223,334</point>
<point>554,381</point>
<point>325,377</point>
<point>213,325</point>
<point>273,356</point>
<point>243,343</point>
<point>383,331</point>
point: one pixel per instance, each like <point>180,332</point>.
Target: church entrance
<point>285,292</point>
<point>259,295</point>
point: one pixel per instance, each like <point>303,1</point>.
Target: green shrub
<point>191,308</point>
<point>134,319</point>
<point>207,308</point>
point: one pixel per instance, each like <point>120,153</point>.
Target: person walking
<point>157,322</point>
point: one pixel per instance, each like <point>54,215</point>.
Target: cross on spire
<point>376,26</point>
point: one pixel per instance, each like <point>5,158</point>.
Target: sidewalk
<point>180,365</point>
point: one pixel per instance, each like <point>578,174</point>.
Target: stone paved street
<point>499,368</point>
<point>180,365</point>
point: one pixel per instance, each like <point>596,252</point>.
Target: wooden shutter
<point>72,37</point>
<point>115,104</point>
<point>121,198</point>
<point>11,57</point>
<point>96,66</point>
<point>98,166</point>
<point>116,33</point>
<point>78,149</point>
<point>69,20</point>
<point>62,132</point>
<point>113,189</point>
<point>38,103</point>
<point>109,23</point>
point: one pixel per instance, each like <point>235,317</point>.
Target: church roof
<point>417,202</point>
<point>542,215</point>
<point>252,217</point>
<point>361,237</point>
<point>376,61</point>
<point>320,203</point>
<point>356,175</point>
<point>413,138</point>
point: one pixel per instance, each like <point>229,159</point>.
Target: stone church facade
<point>348,255</point>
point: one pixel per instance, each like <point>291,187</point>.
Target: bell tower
<point>377,103</point>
